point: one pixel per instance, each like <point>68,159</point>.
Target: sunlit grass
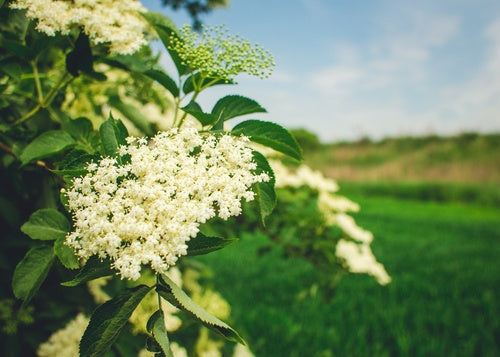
<point>443,301</point>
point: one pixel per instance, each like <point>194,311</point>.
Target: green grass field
<point>444,299</point>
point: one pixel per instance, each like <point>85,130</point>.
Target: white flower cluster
<point>356,252</point>
<point>144,211</point>
<point>116,22</point>
<point>66,341</point>
<point>360,259</point>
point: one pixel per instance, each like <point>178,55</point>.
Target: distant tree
<point>195,8</point>
<point>306,139</point>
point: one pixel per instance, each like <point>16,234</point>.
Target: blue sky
<point>353,68</point>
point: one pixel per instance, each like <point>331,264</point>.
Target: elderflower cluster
<point>116,22</point>
<point>66,341</point>
<point>360,259</point>
<point>355,253</point>
<point>216,53</point>
<point>144,211</point>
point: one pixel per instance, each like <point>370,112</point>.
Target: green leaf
<point>132,114</point>
<point>113,134</point>
<point>131,64</point>
<point>74,164</point>
<point>163,79</point>
<point>80,59</point>
<point>188,86</point>
<point>269,134</point>
<point>152,345</point>
<point>46,224</point>
<point>232,106</point>
<point>203,244</point>
<point>108,320</point>
<point>79,128</point>
<point>32,271</point>
<point>165,28</point>
<point>95,268</point>
<point>47,144</point>
<point>65,254</point>
<point>20,50</point>
<point>174,295</point>
<point>195,110</point>
<point>156,326</point>
<point>265,196</point>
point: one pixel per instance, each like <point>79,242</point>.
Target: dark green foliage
<point>177,297</point>
<point>203,244</point>
<point>46,145</point>
<point>264,191</point>
<point>46,224</point>
<point>31,272</point>
<point>156,326</point>
<point>271,135</point>
<point>306,139</point>
<point>113,134</point>
<point>233,106</point>
<point>107,321</point>
<point>93,269</point>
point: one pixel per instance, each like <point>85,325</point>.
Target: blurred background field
<point>435,215</point>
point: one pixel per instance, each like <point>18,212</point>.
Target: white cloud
<point>476,103</point>
<point>336,80</point>
<point>315,7</point>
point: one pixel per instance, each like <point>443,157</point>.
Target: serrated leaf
<point>203,244</point>
<point>132,114</point>
<point>131,64</point>
<point>77,159</point>
<point>232,106</point>
<point>93,269</point>
<point>165,28</point>
<point>163,79</point>
<point>31,272</point>
<point>113,134</point>
<point>46,224</point>
<point>269,134</point>
<point>79,128</point>
<point>265,196</point>
<point>174,295</point>
<point>108,320</point>
<point>156,326</point>
<point>152,345</point>
<point>47,144</point>
<point>195,110</point>
<point>188,86</point>
<point>65,254</point>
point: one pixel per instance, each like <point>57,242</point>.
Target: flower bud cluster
<point>218,54</point>
<point>116,22</point>
<point>145,211</point>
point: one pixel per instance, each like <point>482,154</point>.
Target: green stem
<point>36,77</point>
<point>195,95</point>
<point>63,81</point>
<point>159,297</point>
<point>45,102</point>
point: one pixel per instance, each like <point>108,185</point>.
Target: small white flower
<point>359,258</point>
<point>66,341</point>
<point>116,22</point>
<point>145,212</point>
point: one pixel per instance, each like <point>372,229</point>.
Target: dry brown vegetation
<point>466,158</point>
